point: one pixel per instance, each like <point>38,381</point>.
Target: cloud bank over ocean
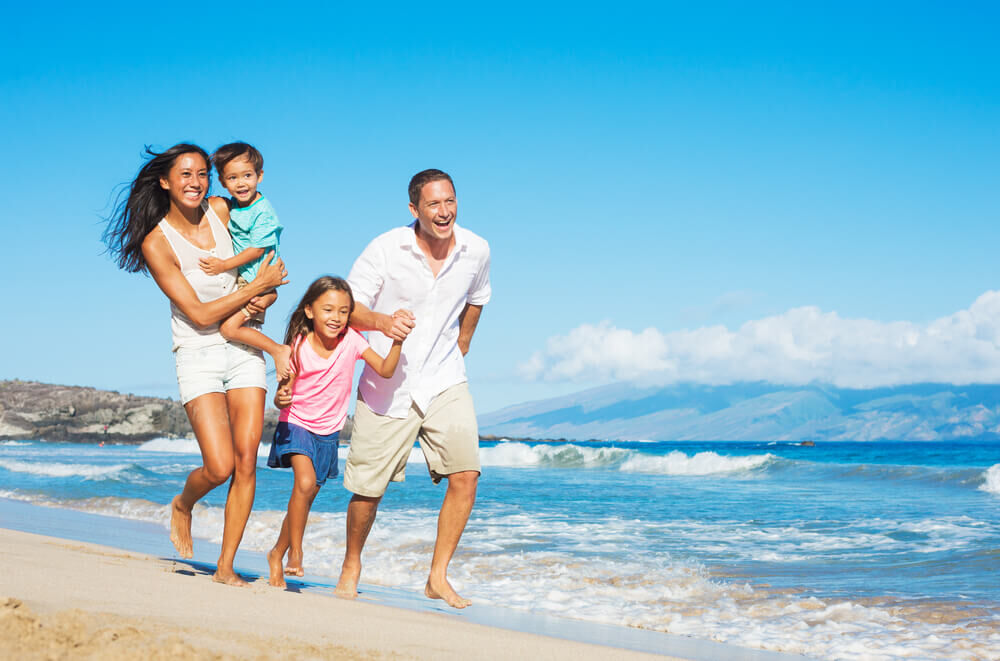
<point>802,345</point>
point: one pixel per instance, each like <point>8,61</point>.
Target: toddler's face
<point>241,179</point>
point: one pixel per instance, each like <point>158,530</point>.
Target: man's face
<point>436,210</point>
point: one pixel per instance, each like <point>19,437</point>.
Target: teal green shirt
<point>255,226</point>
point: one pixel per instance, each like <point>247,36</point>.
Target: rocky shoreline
<point>41,411</point>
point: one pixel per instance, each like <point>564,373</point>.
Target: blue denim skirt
<point>291,439</point>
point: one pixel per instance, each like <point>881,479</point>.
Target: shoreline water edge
<point>838,551</point>
<point>107,582</point>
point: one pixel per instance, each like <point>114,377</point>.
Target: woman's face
<point>187,181</point>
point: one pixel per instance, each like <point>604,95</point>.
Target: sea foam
<point>54,469</point>
<point>992,479</point>
<point>702,463</point>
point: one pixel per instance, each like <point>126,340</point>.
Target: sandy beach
<point>62,599</point>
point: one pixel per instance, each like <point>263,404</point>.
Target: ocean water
<point>839,551</point>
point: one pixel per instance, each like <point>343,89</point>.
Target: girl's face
<point>330,313</point>
<point>187,181</point>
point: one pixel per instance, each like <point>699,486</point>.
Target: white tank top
<point>207,287</point>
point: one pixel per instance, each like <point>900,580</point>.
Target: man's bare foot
<point>444,591</point>
<point>229,578</point>
<point>180,529</point>
<point>282,359</point>
<point>347,585</point>
<point>294,567</point>
<point>274,567</point>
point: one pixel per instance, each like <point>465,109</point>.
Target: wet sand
<point>62,595</point>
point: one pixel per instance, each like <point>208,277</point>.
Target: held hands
<point>399,325</point>
<point>212,265</point>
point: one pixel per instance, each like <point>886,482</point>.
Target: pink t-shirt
<point>322,387</point>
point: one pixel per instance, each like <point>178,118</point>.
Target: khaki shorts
<point>258,318</point>
<point>380,445</point>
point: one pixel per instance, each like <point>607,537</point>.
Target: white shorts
<point>218,368</point>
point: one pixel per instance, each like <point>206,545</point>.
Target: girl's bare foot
<point>229,578</point>
<point>347,585</point>
<point>180,529</point>
<point>274,567</point>
<point>442,590</point>
<point>294,567</point>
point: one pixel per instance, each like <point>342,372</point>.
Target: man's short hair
<point>426,177</point>
<point>226,153</point>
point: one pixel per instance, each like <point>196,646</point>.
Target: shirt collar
<point>410,239</point>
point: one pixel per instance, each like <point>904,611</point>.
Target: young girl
<point>324,352</point>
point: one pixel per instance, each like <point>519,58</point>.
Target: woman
<point>164,226</point>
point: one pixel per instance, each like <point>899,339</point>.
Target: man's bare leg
<point>455,510</point>
<point>210,421</point>
<point>246,413</point>
<point>360,516</point>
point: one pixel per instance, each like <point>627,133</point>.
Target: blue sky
<point>654,178</point>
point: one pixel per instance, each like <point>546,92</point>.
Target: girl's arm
<point>283,395</point>
<point>384,367</point>
<point>167,274</point>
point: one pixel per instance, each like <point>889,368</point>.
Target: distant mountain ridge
<point>757,411</point>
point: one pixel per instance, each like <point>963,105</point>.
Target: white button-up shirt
<point>392,274</point>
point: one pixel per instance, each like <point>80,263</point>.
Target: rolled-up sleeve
<point>480,290</point>
<point>366,275</point>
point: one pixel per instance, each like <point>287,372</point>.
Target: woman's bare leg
<point>209,418</point>
<point>246,416</point>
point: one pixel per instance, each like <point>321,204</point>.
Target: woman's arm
<point>384,367</point>
<point>167,274</point>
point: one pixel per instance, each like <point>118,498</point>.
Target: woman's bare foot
<point>282,359</point>
<point>294,567</point>
<point>443,590</point>
<point>180,529</point>
<point>277,578</point>
<point>347,585</point>
<point>229,578</point>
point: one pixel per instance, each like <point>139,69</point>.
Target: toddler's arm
<point>384,367</point>
<point>215,266</point>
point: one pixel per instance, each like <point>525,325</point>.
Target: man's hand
<point>398,326</point>
<point>212,265</point>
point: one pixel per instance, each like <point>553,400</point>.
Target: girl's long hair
<point>299,325</point>
<point>141,206</point>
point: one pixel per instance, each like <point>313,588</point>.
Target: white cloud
<point>802,345</point>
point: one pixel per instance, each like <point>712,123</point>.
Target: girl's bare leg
<point>303,494</point>
<point>246,415</point>
<point>277,554</point>
<point>293,527</point>
<point>210,421</point>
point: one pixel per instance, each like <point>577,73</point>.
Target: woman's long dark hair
<point>299,324</point>
<point>146,203</point>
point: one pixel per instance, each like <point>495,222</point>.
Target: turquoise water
<point>843,550</point>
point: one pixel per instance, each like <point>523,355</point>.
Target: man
<point>435,276</point>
